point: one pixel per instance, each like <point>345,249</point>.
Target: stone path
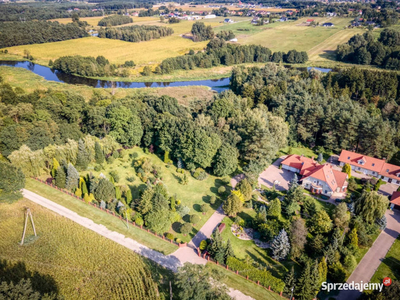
<point>375,255</point>
<point>172,261</point>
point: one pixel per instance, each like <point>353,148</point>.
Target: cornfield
<point>69,259</point>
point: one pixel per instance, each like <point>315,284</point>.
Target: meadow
<point>72,261</point>
<point>390,266</point>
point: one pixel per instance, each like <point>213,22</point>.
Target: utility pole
<point>170,290</point>
<point>28,214</point>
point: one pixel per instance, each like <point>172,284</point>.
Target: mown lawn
<point>243,248</point>
<point>248,288</point>
<point>71,260</point>
<point>192,195</point>
<point>100,217</point>
<point>390,266</point>
<point>297,150</point>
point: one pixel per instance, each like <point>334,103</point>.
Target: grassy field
<point>28,81</point>
<point>192,195</point>
<point>100,217</point>
<point>390,266</point>
<point>71,260</point>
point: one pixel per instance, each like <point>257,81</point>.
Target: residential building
<point>395,200</point>
<point>228,21</point>
<point>309,21</point>
<point>328,24</point>
<point>319,179</point>
<point>210,16</point>
<point>371,166</point>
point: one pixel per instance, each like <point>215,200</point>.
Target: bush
<point>204,208</point>
<point>200,174</point>
<point>212,200</point>
<point>130,179</point>
<point>203,245</point>
<point>221,190</point>
<point>139,221</point>
<point>115,176</point>
<point>264,277</point>
<point>178,240</point>
<point>194,219</point>
<point>110,160</point>
<point>186,228</point>
<point>169,236</point>
<point>98,168</point>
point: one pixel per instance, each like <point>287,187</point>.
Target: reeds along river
<point>47,73</point>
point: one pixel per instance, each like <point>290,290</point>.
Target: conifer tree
<point>54,168</point>
<point>82,159</point>
<point>315,286</point>
<point>290,281</point>
<point>98,153</point>
<point>303,289</point>
<point>229,250</point>
<point>323,271</point>
<point>61,177</point>
<point>128,196</point>
<point>72,178</point>
<point>280,246</point>
<point>145,202</point>
<point>84,187</point>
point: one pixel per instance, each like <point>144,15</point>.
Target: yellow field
<point>93,21</point>
<point>294,35</point>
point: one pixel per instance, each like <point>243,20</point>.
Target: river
<point>47,73</point>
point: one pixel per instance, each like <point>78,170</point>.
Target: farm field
<point>72,261</point>
<point>100,217</point>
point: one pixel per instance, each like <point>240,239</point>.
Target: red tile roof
<point>310,20</point>
<point>391,171</point>
<point>395,199</point>
<point>326,173</point>
<point>370,163</point>
<point>301,163</point>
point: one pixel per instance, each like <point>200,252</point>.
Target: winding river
<point>47,73</point>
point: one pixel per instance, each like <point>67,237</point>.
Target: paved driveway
<point>371,261</point>
<point>274,174</point>
<point>388,189</point>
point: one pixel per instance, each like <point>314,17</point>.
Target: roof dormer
<point>361,161</point>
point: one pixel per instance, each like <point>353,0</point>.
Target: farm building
<point>328,24</point>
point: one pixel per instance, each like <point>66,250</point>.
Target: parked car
<point>338,200</point>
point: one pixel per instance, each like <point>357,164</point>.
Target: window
<point>387,170</point>
<point>326,192</point>
<point>348,157</point>
<point>373,165</point>
<point>358,168</point>
<point>373,172</point>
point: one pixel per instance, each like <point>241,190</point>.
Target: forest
<point>365,50</point>
<point>135,33</point>
<point>115,20</point>
<point>220,53</point>
<point>37,32</point>
<point>351,109</point>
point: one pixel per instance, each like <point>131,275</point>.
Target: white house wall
<point>323,184</point>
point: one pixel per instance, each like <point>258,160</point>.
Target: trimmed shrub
<point>264,277</point>
<point>194,219</point>
<point>130,179</point>
<point>178,240</point>
<point>204,208</point>
<point>221,190</point>
<point>203,245</point>
<point>169,236</point>
<point>200,174</point>
<point>139,221</point>
<point>213,199</point>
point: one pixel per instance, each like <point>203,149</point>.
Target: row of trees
<point>220,53</point>
<point>365,50</point>
<point>225,35</point>
<point>135,33</point>
<point>352,109</point>
<point>38,32</point>
<point>115,20</point>
<point>84,65</point>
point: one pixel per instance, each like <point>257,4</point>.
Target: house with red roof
<point>371,166</point>
<point>319,179</point>
<point>395,200</point>
<point>309,21</point>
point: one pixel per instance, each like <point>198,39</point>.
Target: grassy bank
<point>390,266</point>
<point>100,217</point>
<point>71,260</point>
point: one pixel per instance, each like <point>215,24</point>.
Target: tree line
<point>352,109</point>
<point>135,33</point>
<point>365,50</point>
<point>37,32</point>
<point>201,32</point>
<point>84,66</point>
<point>220,53</point>
<point>115,20</point>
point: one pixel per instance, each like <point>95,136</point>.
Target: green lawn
<point>192,195</point>
<point>72,260</point>
<point>297,150</point>
<point>390,266</point>
<point>243,248</point>
<point>100,217</point>
<point>248,288</point>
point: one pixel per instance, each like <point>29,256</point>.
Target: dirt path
<point>172,261</point>
<point>371,261</point>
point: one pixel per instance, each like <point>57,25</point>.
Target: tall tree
<point>320,222</point>
<point>371,206</point>
<point>298,237</point>
<point>72,178</point>
<point>303,290</point>
<point>274,209</point>
<point>341,216</point>
<point>347,169</point>
<point>232,205</point>
<point>104,190</point>
<point>98,153</point>
<point>290,281</point>
<point>82,160</point>
<point>226,160</point>
<point>61,177</point>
